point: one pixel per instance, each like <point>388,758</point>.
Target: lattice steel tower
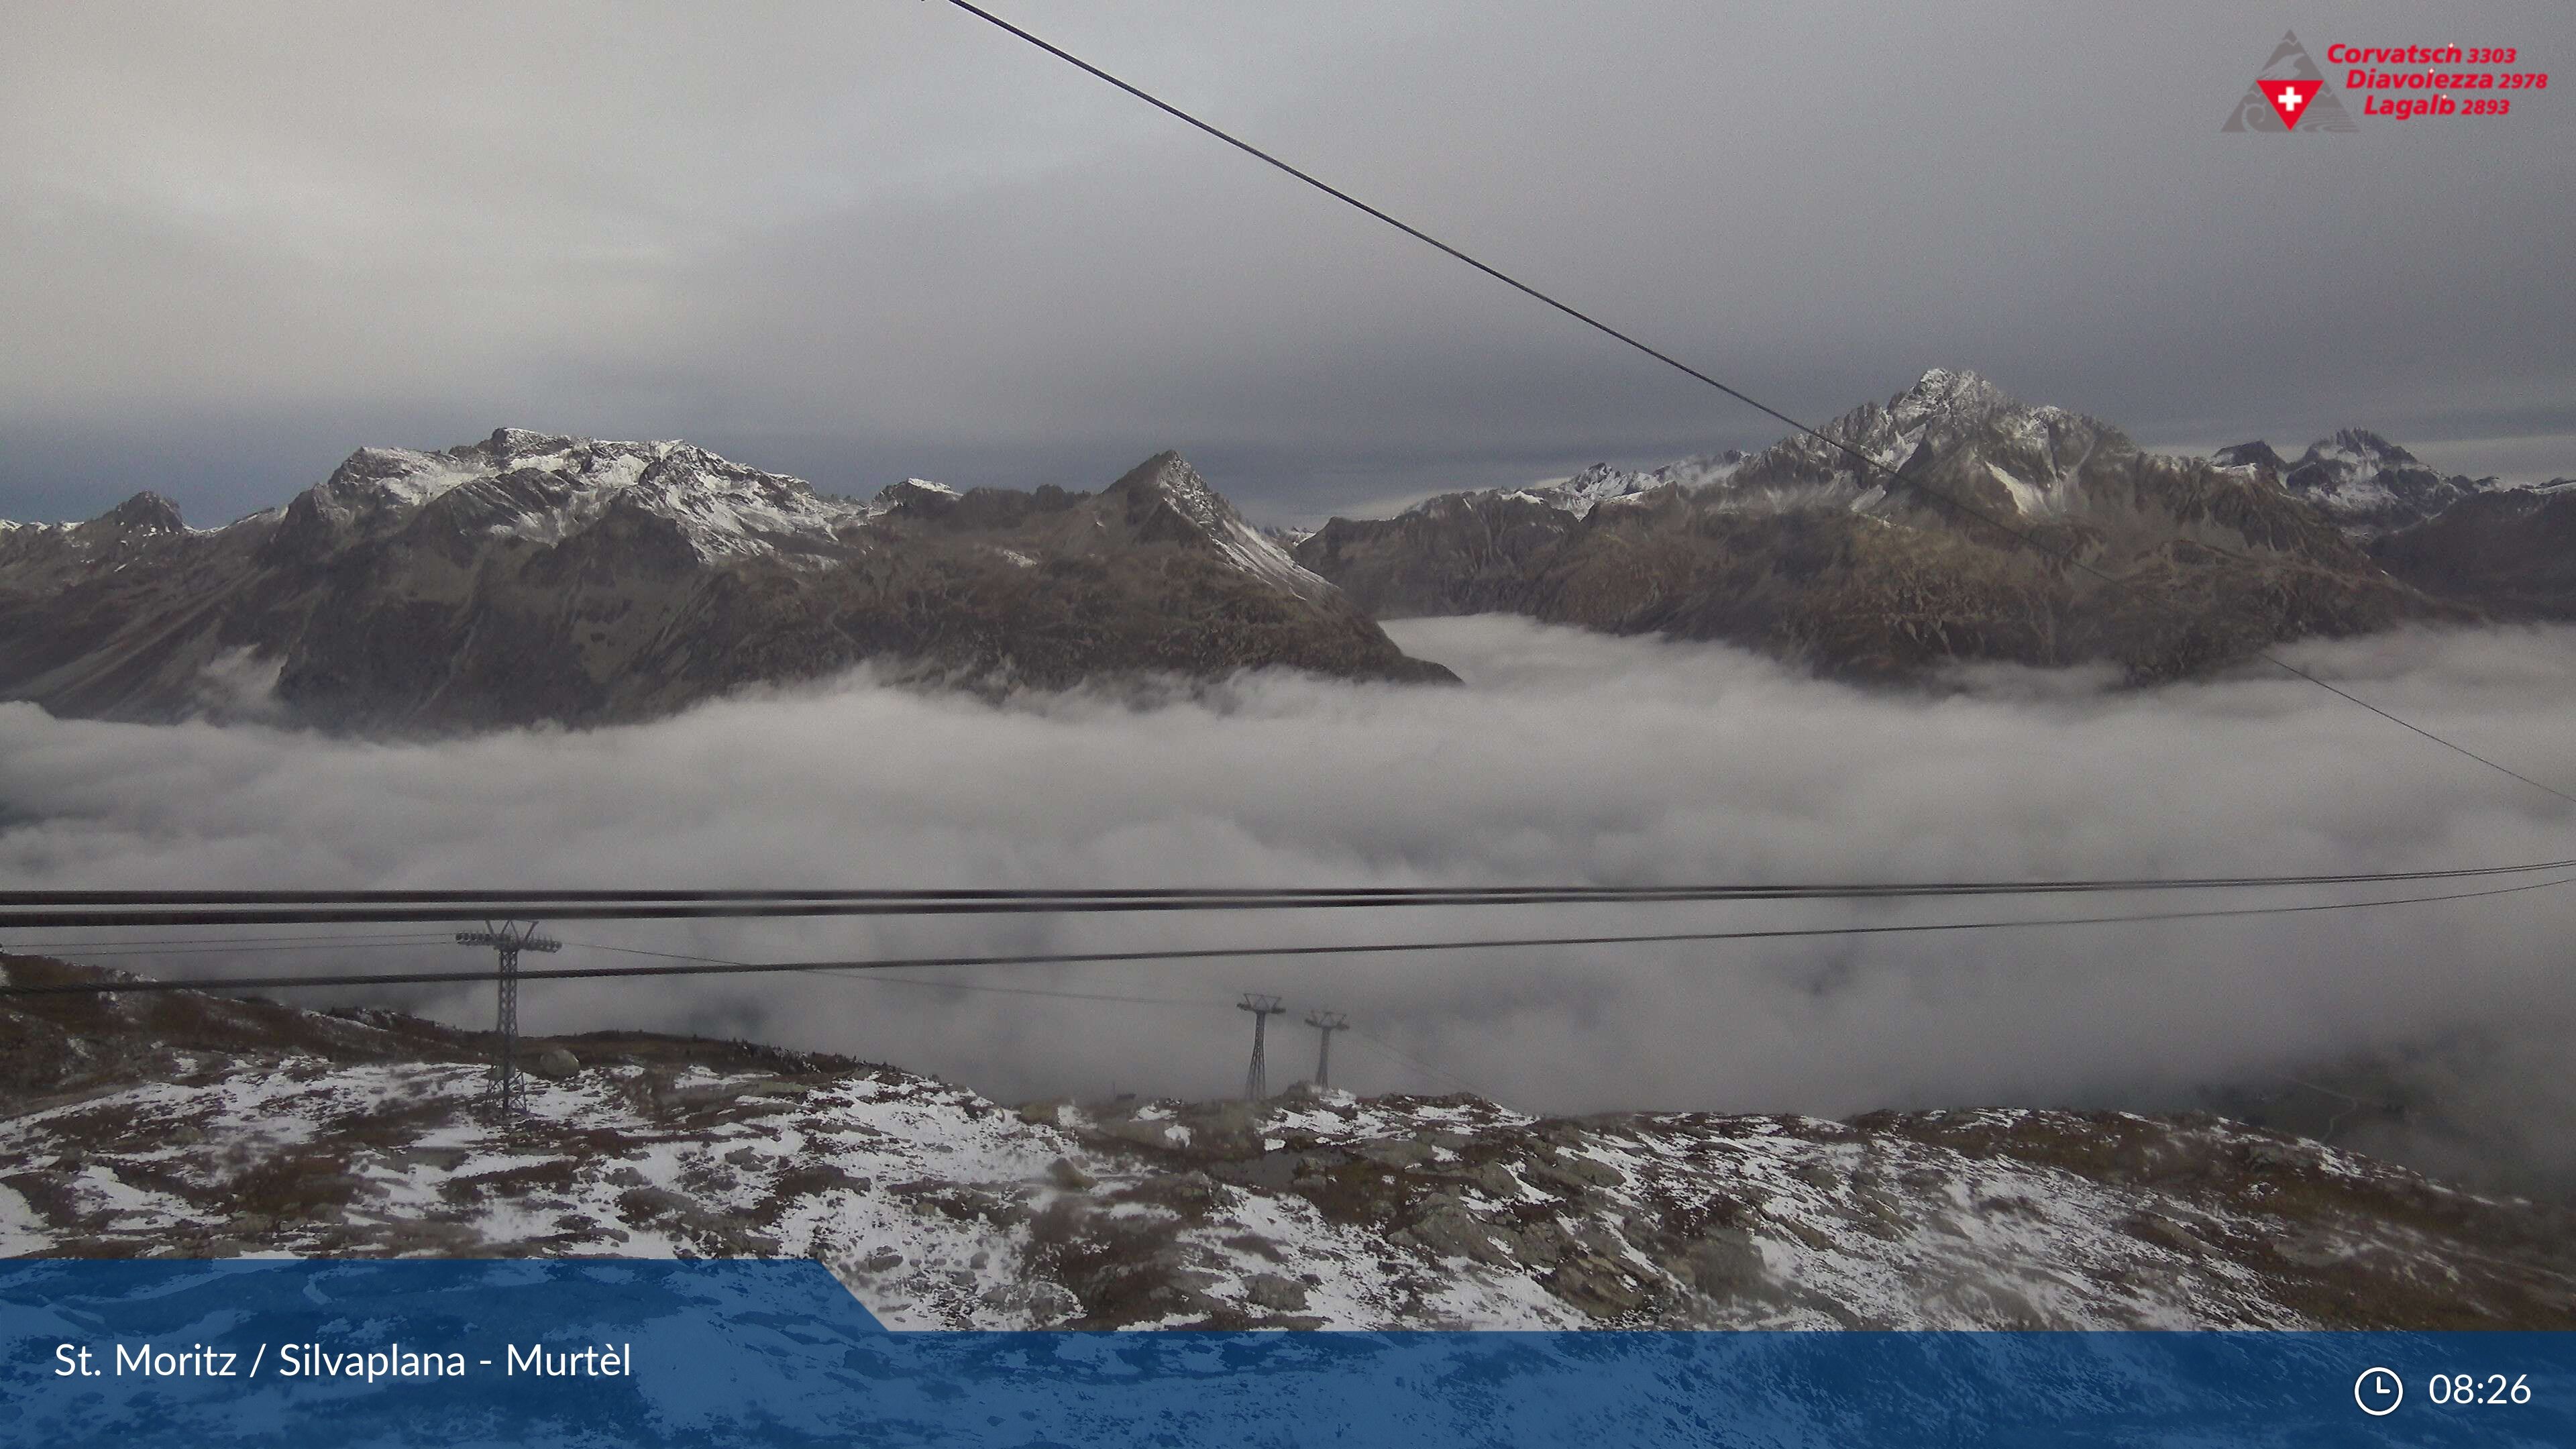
<point>1326,1022</point>
<point>1256,1085</point>
<point>509,1097</point>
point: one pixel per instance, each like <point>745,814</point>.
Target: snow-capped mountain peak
<point>2352,458</point>
<point>2024,457</point>
<point>533,577</point>
<point>1601,483</point>
<point>2365,483</point>
<point>547,487</point>
<point>1945,392</point>
<point>1593,486</point>
<point>2362,450</point>
<point>145,512</point>
<point>2252,457</point>
<point>395,477</point>
<point>1168,501</point>
<point>1825,544</point>
<point>2031,452</point>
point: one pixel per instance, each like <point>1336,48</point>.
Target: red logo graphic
<point>2289,96</point>
<point>2290,99</point>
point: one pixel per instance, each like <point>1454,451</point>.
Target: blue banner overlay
<point>549,1353</point>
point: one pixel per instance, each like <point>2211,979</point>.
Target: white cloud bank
<point>1567,758</point>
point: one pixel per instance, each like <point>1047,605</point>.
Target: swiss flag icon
<point>2289,98</point>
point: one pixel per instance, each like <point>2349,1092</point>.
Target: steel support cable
<point>1895,477</point>
<point>62,909</point>
<point>720,966</point>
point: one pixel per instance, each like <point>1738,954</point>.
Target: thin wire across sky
<point>687,965</point>
<point>1907,476</point>
<point>41,910</point>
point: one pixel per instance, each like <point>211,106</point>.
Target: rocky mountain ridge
<point>1601,483</point>
<point>532,578</point>
<point>2368,485</point>
<point>143,1124</point>
<point>2026,534</point>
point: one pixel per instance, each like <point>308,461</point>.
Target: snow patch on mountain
<point>2368,485</point>
<point>405,477</point>
<point>546,489</point>
<point>22,1232</point>
<point>905,491</point>
<point>1602,483</point>
<point>2035,453</point>
<point>1943,392</point>
<point>1180,487</point>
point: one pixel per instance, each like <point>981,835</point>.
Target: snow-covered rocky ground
<point>178,1124</point>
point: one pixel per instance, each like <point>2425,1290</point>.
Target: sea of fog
<point>1566,757</point>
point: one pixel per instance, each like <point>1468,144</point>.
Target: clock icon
<point>2378,1391</point>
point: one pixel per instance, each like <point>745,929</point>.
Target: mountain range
<point>2020,533</point>
<point>2368,485</point>
<point>532,578</point>
<point>2509,552</point>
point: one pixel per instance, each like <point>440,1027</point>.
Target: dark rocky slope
<point>2510,553</point>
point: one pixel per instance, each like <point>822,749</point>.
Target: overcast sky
<point>868,238</point>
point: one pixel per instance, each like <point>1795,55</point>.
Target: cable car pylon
<point>509,1095</point>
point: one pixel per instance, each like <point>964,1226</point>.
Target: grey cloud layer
<point>1567,757</point>
<point>857,242</point>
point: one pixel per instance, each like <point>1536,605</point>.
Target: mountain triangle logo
<point>2290,94</point>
